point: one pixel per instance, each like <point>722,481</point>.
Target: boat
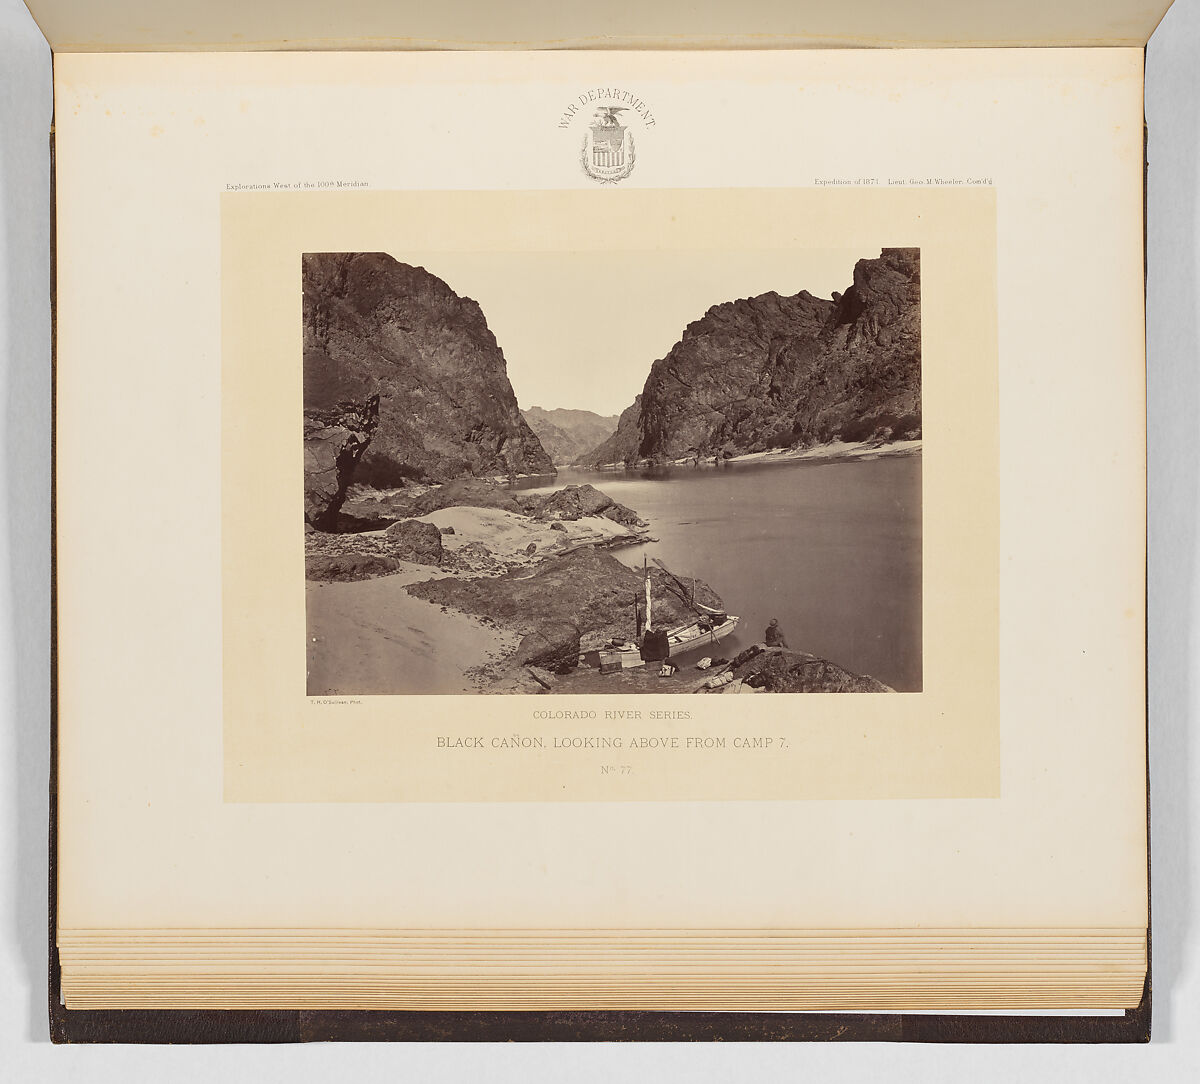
<point>710,626</point>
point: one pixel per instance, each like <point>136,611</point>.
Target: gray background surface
<point>1173,114</point>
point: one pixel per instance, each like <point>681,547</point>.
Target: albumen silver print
<point>735,510</point>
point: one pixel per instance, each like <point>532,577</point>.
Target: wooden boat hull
<point>685,643</point>
<point>680,640</point>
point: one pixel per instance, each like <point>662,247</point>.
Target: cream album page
<point>601,490</point>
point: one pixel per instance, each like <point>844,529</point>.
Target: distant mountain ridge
<point>374,326</point>
<point>778,371</point>
<point>568,434</point>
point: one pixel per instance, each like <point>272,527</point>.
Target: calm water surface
<point>832,549</point>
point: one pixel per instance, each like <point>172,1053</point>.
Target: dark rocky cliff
<point>777,372</point>
<point>624,444</point>
<point>375,326</point>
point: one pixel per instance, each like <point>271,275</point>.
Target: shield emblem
<point>608,153</point>
<point>608,146</point>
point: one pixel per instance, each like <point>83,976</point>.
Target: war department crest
<point>608,154</point>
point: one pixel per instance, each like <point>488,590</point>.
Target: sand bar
<point>371,637</point>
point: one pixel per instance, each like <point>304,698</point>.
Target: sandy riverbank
<point>509,535</point>
<point>834,450</point>
<point>373,638</point>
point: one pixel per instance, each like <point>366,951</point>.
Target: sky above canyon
<point>581,330</point>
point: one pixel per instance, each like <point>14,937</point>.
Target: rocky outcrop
<point>553,646</point>
<point>572,502</point>
<point>758,669</point>
<point>779,670</point>
<point>577,502</point>
<point>462,492</point>
<point>777,372</point>
<point>413,540</point>
<point>348,566</point>
<point>475,557</point>
<point>569,434</point>
<point>587,589</point>
<point>374,326</point>
<point>360,555</point>
<point>334,442</point>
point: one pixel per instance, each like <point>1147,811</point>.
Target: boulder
<point>627,517</point>
<point>577,502</point>
<point>348,566</point>
<point>574,502</point>
<point>416,541</point>
<point>553,646</point>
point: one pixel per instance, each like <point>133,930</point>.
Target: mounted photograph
<point>577,473</point>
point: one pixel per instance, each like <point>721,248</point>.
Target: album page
<point>597,490</point>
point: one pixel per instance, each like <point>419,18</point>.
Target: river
<point>832,548</point>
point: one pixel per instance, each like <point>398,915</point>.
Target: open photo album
<point>637,537</point>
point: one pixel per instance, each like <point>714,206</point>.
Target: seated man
<point>774,637</point>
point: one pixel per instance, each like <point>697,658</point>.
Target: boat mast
<point>646,573</point>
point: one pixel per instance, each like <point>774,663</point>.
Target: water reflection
<point>830,548</point>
